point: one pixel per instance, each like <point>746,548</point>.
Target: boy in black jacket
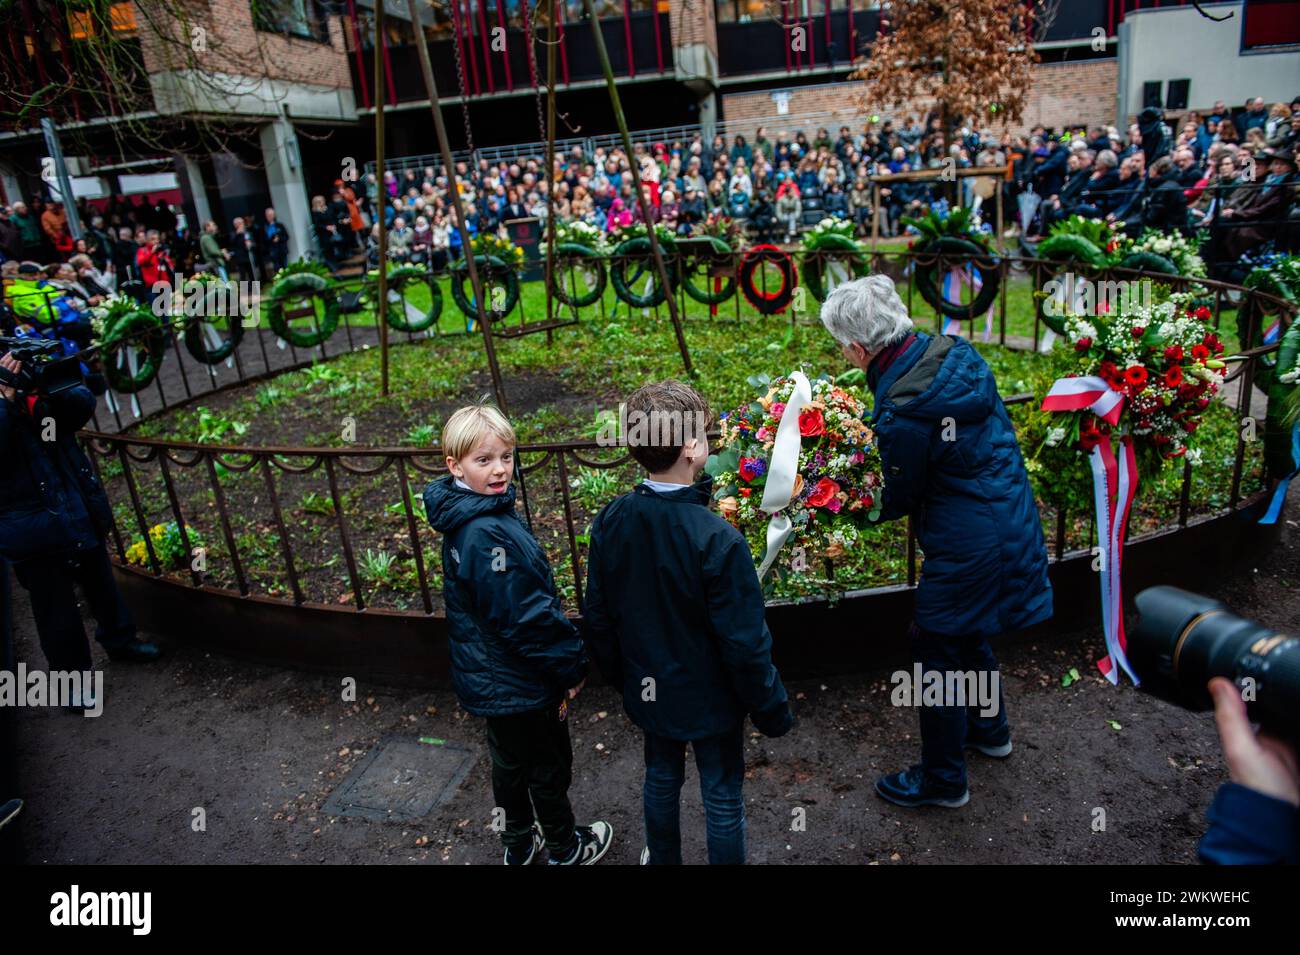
<point>515,657</point>
<point>674,615</point>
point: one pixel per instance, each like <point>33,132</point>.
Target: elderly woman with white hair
<point>951,462</point>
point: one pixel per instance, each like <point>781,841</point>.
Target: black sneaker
<point>911,788</point>
<point>593,842</point>
<point>996,750</point>
<point>525,855</point>
<point>136,651</point>
<point>9,811</point>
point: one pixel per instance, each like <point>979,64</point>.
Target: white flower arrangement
<point>1176,248</point>
<point>580,233</point>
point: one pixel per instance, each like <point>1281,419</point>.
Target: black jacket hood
<point>448,506</point>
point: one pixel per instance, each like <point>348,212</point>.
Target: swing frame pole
<point>617,105</point>
<point>381,200</point>
<point>444,148</point>
<point>550,164</point>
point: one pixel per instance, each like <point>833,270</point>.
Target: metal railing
<point>277,520</point>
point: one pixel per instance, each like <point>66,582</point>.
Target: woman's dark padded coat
<point>512,648</point>
<point>951,460</point>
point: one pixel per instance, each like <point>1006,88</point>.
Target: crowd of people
<point>1218,169</point>
<point>1230,173</point>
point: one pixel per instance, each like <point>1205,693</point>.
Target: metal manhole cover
<point>402,779</point>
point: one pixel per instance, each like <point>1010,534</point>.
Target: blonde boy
<point>516,658</point>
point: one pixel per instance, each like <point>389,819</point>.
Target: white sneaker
<point>593,842</point>
<point>534,847</point>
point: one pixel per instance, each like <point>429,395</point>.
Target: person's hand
<point>1262,762</point>
<point>14,365</point>
<point>575,690</point>
<point>1226,213</point>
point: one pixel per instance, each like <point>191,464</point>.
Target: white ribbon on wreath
<point>782,470</point>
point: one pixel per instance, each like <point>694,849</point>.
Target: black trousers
<point>532,766</point>
<point>51,581</point>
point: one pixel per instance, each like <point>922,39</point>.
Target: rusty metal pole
<point>617,105</point>
<point>381,199</point>
<point>550,162</point>
<point>444,148</point>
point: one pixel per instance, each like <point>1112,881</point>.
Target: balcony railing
<point>638,46</point>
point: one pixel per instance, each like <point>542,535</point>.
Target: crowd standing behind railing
<point>1228,176</point>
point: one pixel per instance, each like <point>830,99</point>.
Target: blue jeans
<point>945,729</point>
<point>721,764</point>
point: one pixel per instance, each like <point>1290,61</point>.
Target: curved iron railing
<point>243,500</point>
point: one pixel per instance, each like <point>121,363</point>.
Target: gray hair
<point>868,312</point>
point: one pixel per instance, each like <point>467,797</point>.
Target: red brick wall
<point>1063,93</point>
<point>235,46</point>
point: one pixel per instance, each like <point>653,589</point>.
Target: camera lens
<point>1184,639</point>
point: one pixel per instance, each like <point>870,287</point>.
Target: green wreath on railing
<point>128,337</point>
<point>213,311</point>
<point>1253,310</point>
<point>1071,247</point>
<point>822,253</point>
<point>721,251</point>
<point>303,285</point>
<point>973,256</point>
<point>492,271</point>
<point>1283,405</point>
<point>573,257</point>
<point>1148,262</point>
<point>634,258</point>
<point>401,281</point>
<point>950,237</point>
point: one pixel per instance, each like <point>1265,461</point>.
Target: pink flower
<point>777,409</point>
<point>833,505</point>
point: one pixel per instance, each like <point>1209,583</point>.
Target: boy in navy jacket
<point>674,617</point>
<point>516,659</point>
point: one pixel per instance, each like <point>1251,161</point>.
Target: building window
<point>297,18</point>
<point>1270,23</point>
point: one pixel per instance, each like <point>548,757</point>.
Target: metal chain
<point>464,93</point>
<point>537,76</point>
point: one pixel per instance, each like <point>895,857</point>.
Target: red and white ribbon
<point>1088,391</point>
<point>1114,485</point>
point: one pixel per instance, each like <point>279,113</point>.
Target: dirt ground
<point>260,750</point>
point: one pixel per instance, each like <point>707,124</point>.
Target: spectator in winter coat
<point>673,603</point>
<point>789,209</point>
<point>951,462</point>
<point>516,658</point>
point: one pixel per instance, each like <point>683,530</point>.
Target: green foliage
<point>212,427</point>
<point>595,486</point>
<point>313,502</point>
<point>379,568</point>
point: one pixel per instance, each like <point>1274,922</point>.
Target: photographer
<point>155,265</point>
<point>53,518</point>
<point>1255,818</point>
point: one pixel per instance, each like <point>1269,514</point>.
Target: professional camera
<point>1184,639</point>
<point>45,371</point>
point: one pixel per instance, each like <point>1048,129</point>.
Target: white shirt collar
<point>663,486</point>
